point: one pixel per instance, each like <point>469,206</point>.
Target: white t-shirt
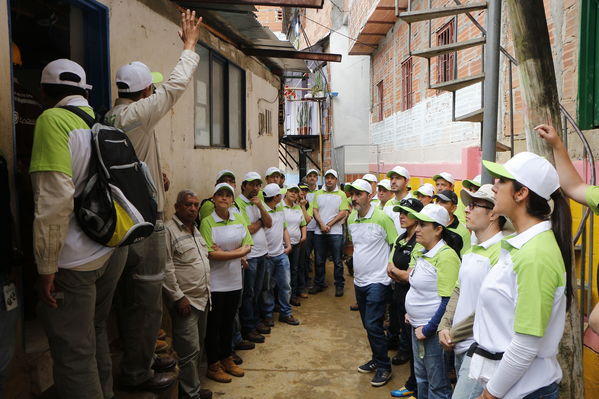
<point>295,221</point>
<point>372,236</point>
<point>312,226</point>
<point>329,204</point>
<point>274,234</point>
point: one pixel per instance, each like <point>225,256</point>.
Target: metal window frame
<point>380,94</point>
<point>406,84</point>
<point>588,104</point>
<point>449,60</point>
<point>215,56</point>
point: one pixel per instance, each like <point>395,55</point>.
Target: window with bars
<point>380,91</point>
<point>446,62</point>
<point>219,102</point>
<point>406,84</point>
<point>279,15</point>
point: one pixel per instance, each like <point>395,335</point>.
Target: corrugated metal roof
<point>239,23</point>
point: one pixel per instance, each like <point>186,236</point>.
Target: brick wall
<point>271,17</point>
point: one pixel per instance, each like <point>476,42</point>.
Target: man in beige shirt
<point>186,286</point>
<point>138,109</point>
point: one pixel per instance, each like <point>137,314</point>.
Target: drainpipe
<point>491,88</point>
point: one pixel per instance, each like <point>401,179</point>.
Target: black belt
<point>474,348</point>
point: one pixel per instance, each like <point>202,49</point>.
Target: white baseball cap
<point>331,172</point>
<point>358,184</point>
<point>292,186</point>
<point>385,183</point>
<point>532,170</point>
<point>271,190</point>
<point>272,170</point>
<point>251,176</point>
<point>221,186</point>
<point>432,213</point>
<point>224,172</point>
<point>426,189</point>
<point>64,72</point>
<point>469,183</point>
<point>445,176</point>
<point>485,192</point>
<point>399,170</point>
<point>312,171</point>
<point>136,76</point>
<point>370,177</point>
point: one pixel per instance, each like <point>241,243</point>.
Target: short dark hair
<point>58,92</point>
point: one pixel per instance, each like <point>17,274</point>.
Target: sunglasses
<point>473,205</point>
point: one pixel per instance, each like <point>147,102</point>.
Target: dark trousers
<point>403,329</point>
<point>253,282</point>
<point>219,330</point>
<point>372,300</point>
<point>323,245</point>
<point>294,262</point>
<point>308,246</point>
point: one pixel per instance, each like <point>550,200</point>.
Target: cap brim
<point>398,208</point>
<point>256,179</point>
<point>348,187</point>
<point>392,172</point>
<point>227,174</point>
<point>442,197</point>
<point>420,216</point>
<point>224,188</point>
<point>157,77</point>
<point>465,196</point>
<point>470,183</point>
<point>497,170</point>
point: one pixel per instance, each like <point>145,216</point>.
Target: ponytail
<point>453,240</point>
<point>561,224</point>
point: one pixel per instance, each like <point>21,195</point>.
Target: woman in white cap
<point>228,241</point>
<point>432,280</point>
<point>425,193</point>
<point>296,227</point>
<point>521,310</point>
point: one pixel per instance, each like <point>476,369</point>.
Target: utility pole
<point>491,88</point>
<point>539,88</point>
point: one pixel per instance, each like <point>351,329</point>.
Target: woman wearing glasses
<point>521,309</point>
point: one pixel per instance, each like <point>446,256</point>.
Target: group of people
<point>477,281</point>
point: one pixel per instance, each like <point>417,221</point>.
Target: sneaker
<point>261,328</point>
<point>402,393</point>
<point>367,367</point>
<point>289,320</point>
<point>401,358</point>
<point>268,321</point>
<point>381,377</point>
<point>245,345</point>
<point>253,336</point>
<point>338,291</point>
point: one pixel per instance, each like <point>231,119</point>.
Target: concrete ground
<point>317,359</point>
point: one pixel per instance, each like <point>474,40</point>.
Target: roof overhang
<point>381,18</point>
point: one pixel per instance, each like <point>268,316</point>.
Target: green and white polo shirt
<point>62,143</point>
<point>295,221</point>
<point>329,204</point>
<point>208,207</point>
<point>225,275</point>
<point>434,276</point>
<point>476,263</point>
<point>524,293</point>
<point>592,197</point>
<point>388,208</point>
<point>371,235</point>
<point>312,226</point>
<point>251,214</point>
<point>274,234</point>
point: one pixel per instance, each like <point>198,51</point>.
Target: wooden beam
<point>281,3</point>
<point>299,55</point>
<point>372,34</point>
<point>380,22</point>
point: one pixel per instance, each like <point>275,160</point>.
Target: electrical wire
<point>339,33</point>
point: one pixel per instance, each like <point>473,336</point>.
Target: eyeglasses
<point>473,205</point>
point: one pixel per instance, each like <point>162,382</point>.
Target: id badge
<point>10,296</point>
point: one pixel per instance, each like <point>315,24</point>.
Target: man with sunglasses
<point>137,111</point>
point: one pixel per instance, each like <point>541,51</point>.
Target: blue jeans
<point>466,388</point>
<point>550,391</point>
<point>253,281</point>
<point>294,260</point>
<point>323,243</point>
<point>372,301</point>
<point>430,370</point>
<point>278,268</point>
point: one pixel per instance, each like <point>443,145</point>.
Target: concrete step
<point>448,48</point>
<point>474,116</point>
<point>456,84</point>
<point>432,13</point>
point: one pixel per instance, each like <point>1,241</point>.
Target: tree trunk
<point>541,102</point>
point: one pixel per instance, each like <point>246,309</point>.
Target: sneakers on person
<point>381,377</point>
<point>367,367</point>
<point>230,367</point>
<point>217,373</point>
<point>236,359</point>
<point>253,336</point>
<point>338,291</point>
<point>261,328</point>
<point>401,358</point>
<point>289,320</point>
<point>268,321</point>
<point>295,302</point>
<point>402,393</point>
<point>245,345</point>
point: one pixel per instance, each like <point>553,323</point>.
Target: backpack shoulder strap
<point>87,118</point>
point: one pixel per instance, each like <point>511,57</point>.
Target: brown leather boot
<point>217,373</point>
<point>231,368</point>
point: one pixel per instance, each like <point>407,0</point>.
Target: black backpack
<point>117,207</point>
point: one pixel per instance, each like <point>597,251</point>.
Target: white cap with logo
<point>271,190</point>
<point>136,76</point>
<point>224,172</point>
<point>221,186</point>
<point>532,170</point>
<point>432,213</point>
<point>331,172</point>
<point>64,72</point>
<point>370,177</point>
<point>251,176</point>
<point>272,170</point>
<point>445,176</point>
<point>312,171</point>
<point>399,170</point>
<point>426,189</point>
<point>358,184</point>
<point>385,183</point>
